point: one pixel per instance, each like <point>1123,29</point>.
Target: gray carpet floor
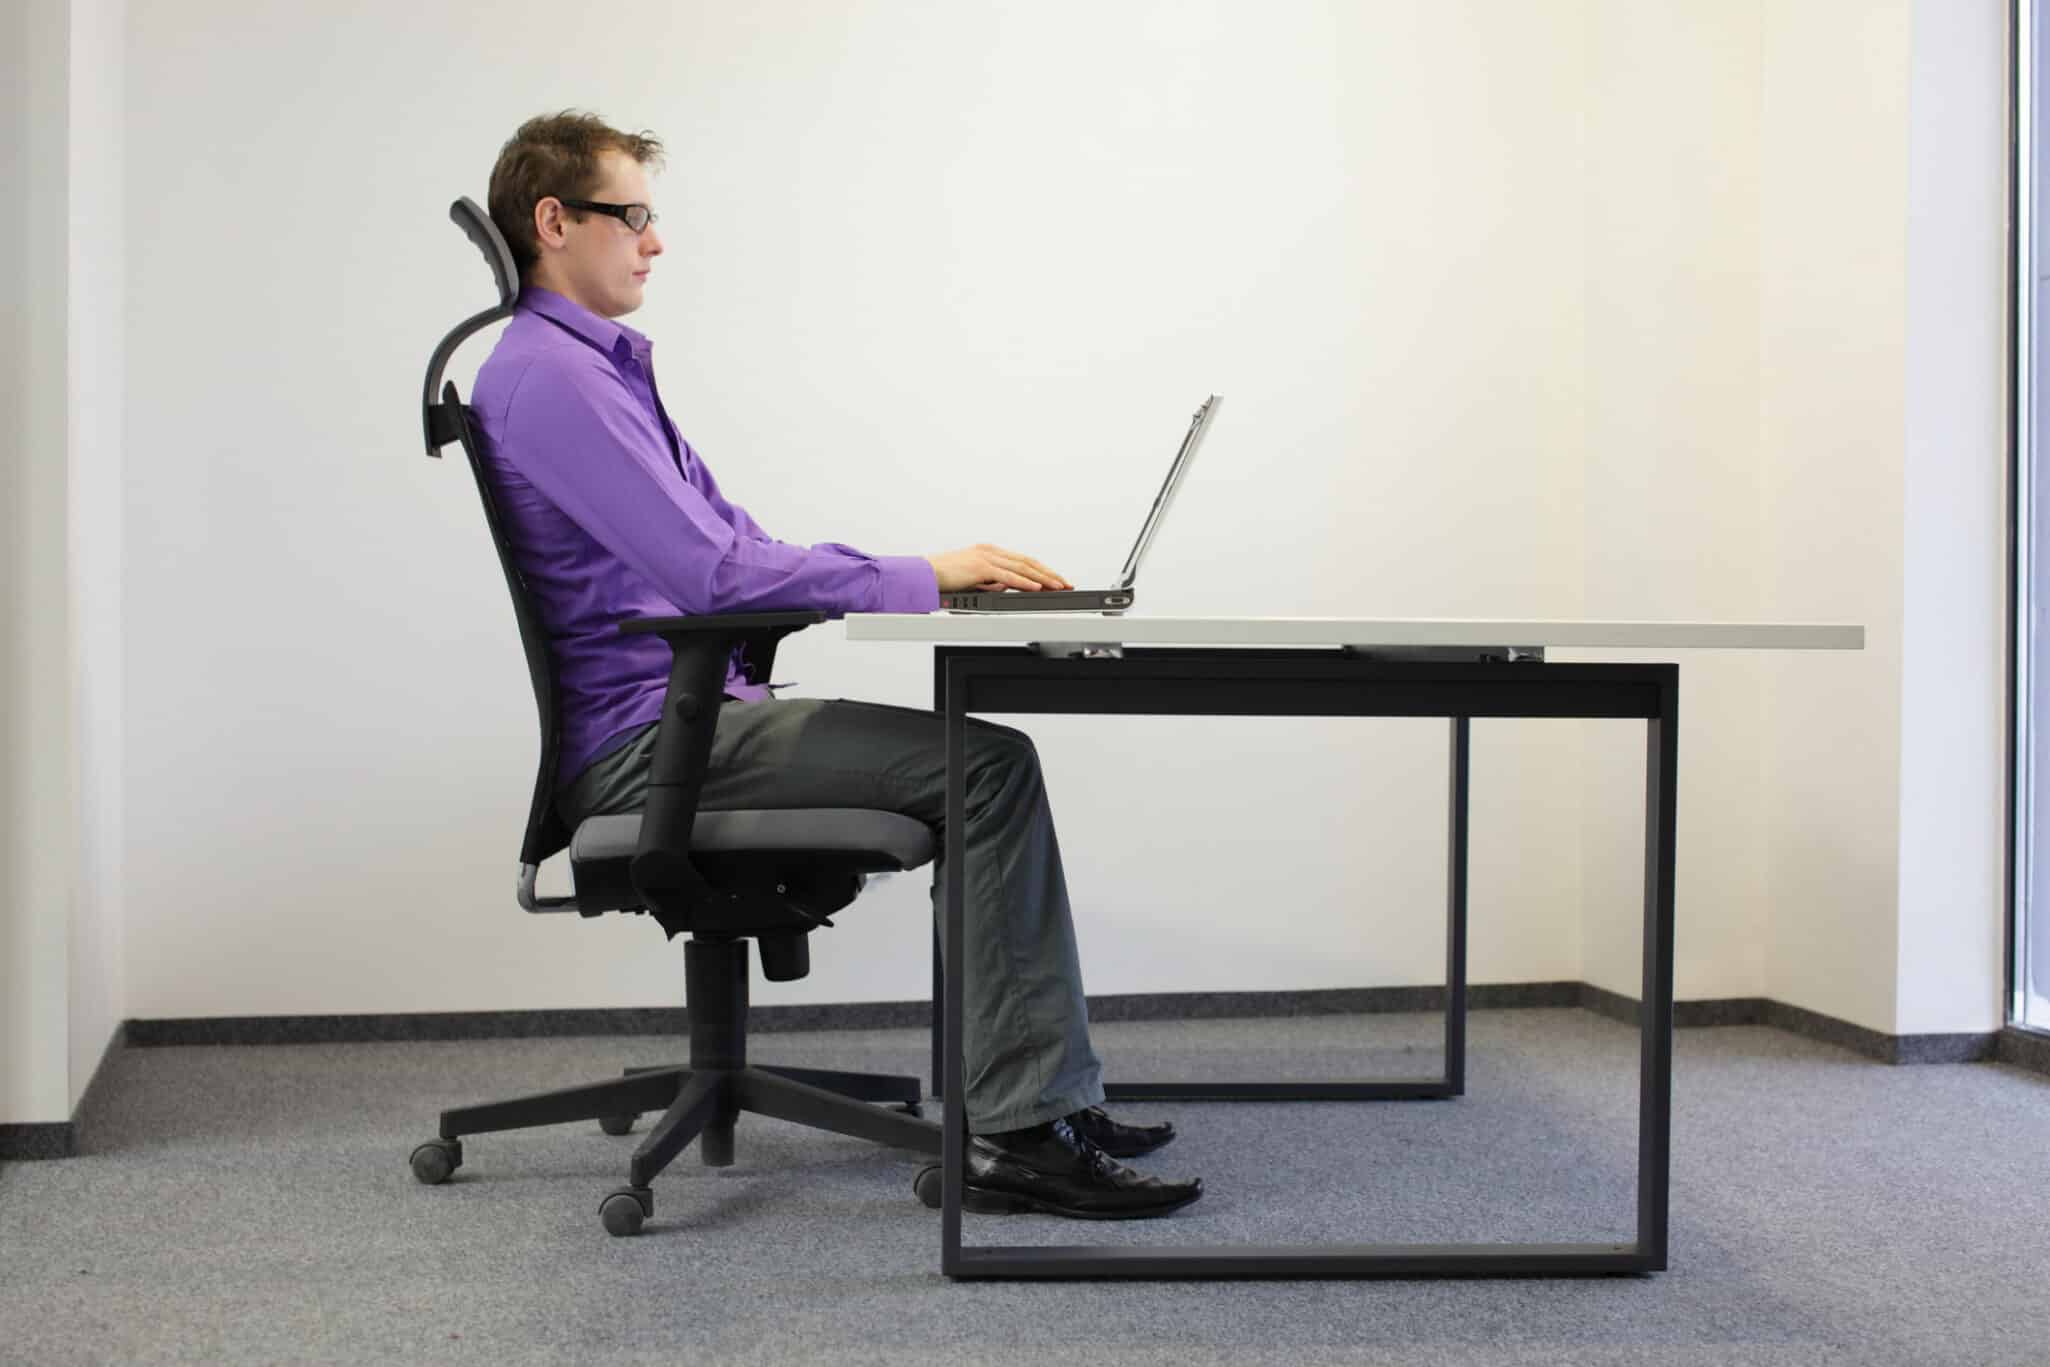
<point>255,1205</point>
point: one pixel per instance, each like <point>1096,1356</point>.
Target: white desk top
<point>1020,628</point>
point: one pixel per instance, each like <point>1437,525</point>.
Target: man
<point>612,515</point>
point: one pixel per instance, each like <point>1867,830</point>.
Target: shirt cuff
<point>908,584</point>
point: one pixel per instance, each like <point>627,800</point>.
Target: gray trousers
<point>1025,1043</point>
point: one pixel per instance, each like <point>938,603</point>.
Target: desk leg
<point>939,1006</point>
<point>939,1002</point>
<point>1453,1083</point>
<point>1648,1254</point>
<point>1655,1094</point>
<point>951,1080</point>
<point>1455,916</point>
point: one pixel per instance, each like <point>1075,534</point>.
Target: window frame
<point>2025,178</point>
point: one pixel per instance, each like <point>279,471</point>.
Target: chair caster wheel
<point>624,1210</point>
<point>928,1185</point>
<point>912,1108</point>
<point>618,1124</point>
<point>435,1160</point>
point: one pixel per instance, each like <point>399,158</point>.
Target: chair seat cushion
<point>841,837</point>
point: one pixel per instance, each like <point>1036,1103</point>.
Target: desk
<point>1332,667</point>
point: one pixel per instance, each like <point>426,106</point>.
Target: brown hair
<point>555,154</point>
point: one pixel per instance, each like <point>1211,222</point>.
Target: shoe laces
<point>1101,1163</point>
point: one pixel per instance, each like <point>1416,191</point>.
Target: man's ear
<point>548,220</point>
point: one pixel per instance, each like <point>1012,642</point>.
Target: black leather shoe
<point>1116,1138</point>
<point>1061,1174</point>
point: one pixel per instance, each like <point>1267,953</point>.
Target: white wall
<point>40,831</point>
<point>94,389</point>
<point>1955,520</point>
<point>1796,412</point>
<point>932,270</point>
<point>1883,432</point>
<point>1601,309</point>
<point>1670,262</point>
<point>1832,279</point>
<point>61,976</point>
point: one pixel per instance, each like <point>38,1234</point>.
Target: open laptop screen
<point>1183,458</point>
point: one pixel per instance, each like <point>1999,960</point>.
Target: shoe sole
<point>984,1201</point>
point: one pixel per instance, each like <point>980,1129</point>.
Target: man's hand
<point>988,567</point>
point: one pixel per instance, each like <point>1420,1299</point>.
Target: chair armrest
<point>701,645</point>
<point>732,622</point>
<point>758,632</point>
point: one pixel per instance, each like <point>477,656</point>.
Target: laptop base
<point>1039,600</point>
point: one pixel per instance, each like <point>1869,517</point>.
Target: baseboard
<point>2028,1049</point>
<point>1797,1020</point>
<point>668,1020</point>
<point>64,1138</point>
<point>51,1139</point>
<point>671,1020</point>
<point>2019,1048</point>
<point>1687,1015</point>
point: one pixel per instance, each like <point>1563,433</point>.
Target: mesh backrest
<point>545,831</point>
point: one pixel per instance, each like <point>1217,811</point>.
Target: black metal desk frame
<point>1232,681</point>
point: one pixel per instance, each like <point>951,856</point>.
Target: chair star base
<point>699,1101</point>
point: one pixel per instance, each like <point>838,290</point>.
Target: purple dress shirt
<point>611,516</point>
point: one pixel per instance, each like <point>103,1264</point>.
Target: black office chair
<point>722,877</point>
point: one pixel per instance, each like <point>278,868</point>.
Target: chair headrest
<point>437,422</point>
<point>477,225</point>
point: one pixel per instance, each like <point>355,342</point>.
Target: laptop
<point>1118,597</point>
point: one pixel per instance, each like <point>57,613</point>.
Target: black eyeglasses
<point>635,216</point>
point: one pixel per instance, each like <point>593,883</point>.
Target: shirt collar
<point>612,338</point>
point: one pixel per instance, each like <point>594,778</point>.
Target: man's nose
<point>651,242</point>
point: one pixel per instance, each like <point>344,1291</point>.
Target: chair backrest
<point>447,420</point>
